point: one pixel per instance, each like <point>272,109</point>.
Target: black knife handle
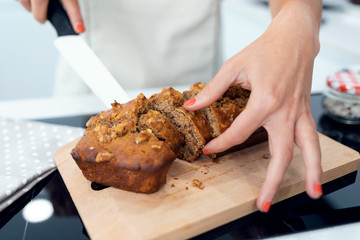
<point>59,19</point>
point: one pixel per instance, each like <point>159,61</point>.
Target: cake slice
<point>162,128</point>
<point>192,126</point>
<point>221,113</point>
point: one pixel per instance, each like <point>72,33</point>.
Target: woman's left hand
<point>277,68</point>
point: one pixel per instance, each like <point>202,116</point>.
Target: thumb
<point>250,119</point>
<point>213,90</point>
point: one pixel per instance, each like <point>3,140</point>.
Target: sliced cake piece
<point>192,126</point>
<point>237,92</point>
<point>259,136</point>
<point>162,128</point>
<point>221,113</point>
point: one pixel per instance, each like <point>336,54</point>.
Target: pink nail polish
<point>266,206</point>
<point>190,102</point>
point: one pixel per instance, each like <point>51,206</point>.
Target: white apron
<point>157,43</point>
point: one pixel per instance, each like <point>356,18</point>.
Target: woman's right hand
<point>38,8</point>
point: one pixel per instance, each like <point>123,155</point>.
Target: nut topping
<point>198,183</point>
<point>140,139</point>
<point>103,157</point>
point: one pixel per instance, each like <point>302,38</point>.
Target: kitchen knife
<point>82,59</point>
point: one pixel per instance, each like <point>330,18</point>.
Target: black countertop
<point>339,205</point>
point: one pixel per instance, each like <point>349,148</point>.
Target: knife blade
<point>82,59</point>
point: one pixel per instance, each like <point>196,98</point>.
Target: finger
<point>214,90</point>
<point>307,139</point>
<point>26,4</point>
<point>73,10</point>
<point>39,10</point>
<point>243,126</point>
<point>281,142</point>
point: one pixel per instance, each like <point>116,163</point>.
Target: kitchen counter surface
<point>296,218</point>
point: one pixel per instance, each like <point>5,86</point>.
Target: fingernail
<point>190,102</point>
<point>318,189</point>
<point>206,152</point>
<point>80,28</point>
<point>266,206</point>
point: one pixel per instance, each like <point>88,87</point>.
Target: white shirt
<point>157,43</point>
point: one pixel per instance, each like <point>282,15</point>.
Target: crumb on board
<point>172,185</point>
<point>206,171</point>
<point>198,183</point>
<point>186,188</point>
<point>216,160</point>
<point>175,178</point>
<point>266,156</point>
<point>213,156</point>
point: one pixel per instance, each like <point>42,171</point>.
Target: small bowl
<point>341,98</point>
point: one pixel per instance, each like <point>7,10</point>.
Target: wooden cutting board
<point>180,210</point>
